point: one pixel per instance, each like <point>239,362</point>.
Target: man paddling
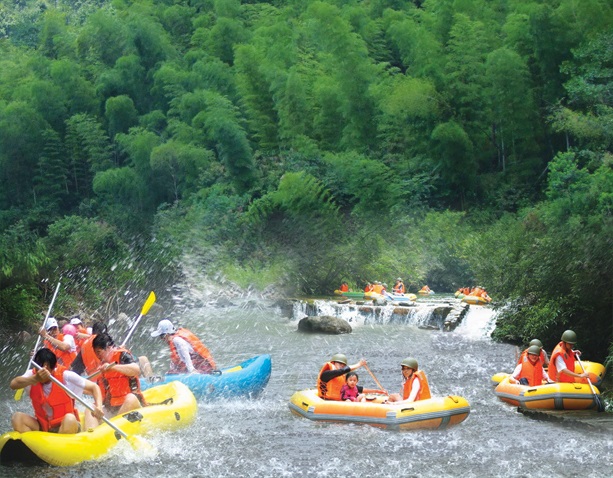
<point>54,409</point>
<point>562,362</point>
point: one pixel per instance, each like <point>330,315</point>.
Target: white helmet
<point>51,322</point>
<point>164,327</point>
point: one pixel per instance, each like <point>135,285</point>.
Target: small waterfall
<point>479,322</point>
<point>424,315</point>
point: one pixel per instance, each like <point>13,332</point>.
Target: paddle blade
<point>18,394</point>
<point>599,405</point>
<point>142,446</point>
<point>150,301</point>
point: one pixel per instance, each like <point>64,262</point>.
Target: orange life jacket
<point>533,373</point>
<point>368,288</point>
<point>424,390</point>
<point>64,358</point>
<point>330,390</point>
<point>344,288</point>
<point>58,400</point>
<point>80,341</point>
<point>203,362</point>
<point>399,289</point>
<point>90,361</point>
<point>569,360</point>
<point>378,288</point>
<point>115,386</point>
<point>524,356</point>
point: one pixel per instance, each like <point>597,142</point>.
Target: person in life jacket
<point>369,287</point>
<point>187,353</point>
<point>543,356</point>
<point>63,346</point>
<point>331,377</point>
<point>54,409</point>
<point>562,362</point>
<point>344,287</point>
<point>377,287</point>
<point>82,334</point>
<point>398,287</point>
<point>118,378</point>
<point>414,383</point>
<point>530,370</point>
<point>86,361</point>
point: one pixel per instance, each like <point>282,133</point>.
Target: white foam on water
<point>478,323</point>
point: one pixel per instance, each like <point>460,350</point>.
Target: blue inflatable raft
<point>246,379</point>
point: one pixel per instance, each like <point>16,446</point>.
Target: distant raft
<point>595,369</point>
<point>400,297</point>
<point>350,295</point>
<point>173,407</point>
<point>433,413</point>
<point>475,300</point>
<point>553,396</point>
<point>247,379</point>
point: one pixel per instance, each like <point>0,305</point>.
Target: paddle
<point>148,303</point>
<point>146,306</point>
<point>19,392</point>
<point>597,399</point>
<point>375,379</point>
<point>137,443</point>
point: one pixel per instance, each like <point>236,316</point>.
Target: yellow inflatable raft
<point>475,300</point>
<point>554,396</point>
<point>173,406</point>
<point>436,412</point>
<point>595,369</point>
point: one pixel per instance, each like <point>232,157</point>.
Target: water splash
<point>479,323</point>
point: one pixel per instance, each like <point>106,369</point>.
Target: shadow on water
<point>261,438</point>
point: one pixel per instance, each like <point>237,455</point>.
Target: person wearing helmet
<point>530,370</point>
<point>63,346</point>
<point>562,362</point>
<point>187,353</point>
<point>331,377</point>
<point>544,358</point>
<point>344,287</point>
<point>414,383</point>
<point>398,287</point>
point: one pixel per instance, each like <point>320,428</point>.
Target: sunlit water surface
<point>261,438</point>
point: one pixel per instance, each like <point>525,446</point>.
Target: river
<point>261,438</point>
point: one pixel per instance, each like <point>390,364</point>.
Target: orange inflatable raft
<point>553,396</point>
<point>433,413</point>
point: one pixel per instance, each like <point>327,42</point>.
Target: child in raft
<point>352,392</point>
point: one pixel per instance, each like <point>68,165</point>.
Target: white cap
<point>75,321</point>
<point>51,322</point>
<point>164,327</point>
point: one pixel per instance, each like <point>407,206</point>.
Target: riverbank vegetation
<point>295,144</point>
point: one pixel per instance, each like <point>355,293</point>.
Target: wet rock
<point>224,302</point>
<point>324,324</point>
<point>455,316</point>
<point>23,336</point>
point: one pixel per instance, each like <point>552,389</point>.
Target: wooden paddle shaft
<point>374,378</point>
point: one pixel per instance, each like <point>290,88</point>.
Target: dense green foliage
<point>298,143</point>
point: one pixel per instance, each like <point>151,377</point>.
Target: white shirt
<point>69,339</point>
<point>184,349</point>
<point>560,364</point>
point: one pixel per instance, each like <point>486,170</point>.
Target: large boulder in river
<point>324,324</point>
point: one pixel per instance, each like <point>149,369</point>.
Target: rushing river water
<point>261,438</point>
